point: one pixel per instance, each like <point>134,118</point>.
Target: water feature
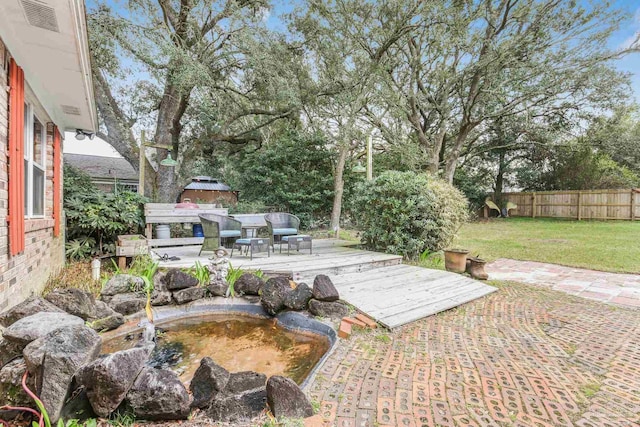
<point>238,342</point>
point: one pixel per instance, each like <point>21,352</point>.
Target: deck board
<point>376,284</point>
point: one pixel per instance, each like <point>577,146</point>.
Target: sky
<point>629,64</point>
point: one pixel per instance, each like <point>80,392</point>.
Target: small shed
<point>206,189</point>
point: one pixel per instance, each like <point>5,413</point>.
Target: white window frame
<point>30,118</point>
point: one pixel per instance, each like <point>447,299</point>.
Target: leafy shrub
<point>293,173</point>
<point>95,218</point>
<point>407,213</point>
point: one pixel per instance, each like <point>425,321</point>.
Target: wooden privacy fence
<point>578,204</point>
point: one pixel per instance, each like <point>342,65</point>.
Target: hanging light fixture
<point>81,135</point>
<point>169,161</point>
<point>359,168</point>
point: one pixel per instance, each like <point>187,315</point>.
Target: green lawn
<point>607,246</point>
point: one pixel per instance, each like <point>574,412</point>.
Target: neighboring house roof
<point>206,183</point>
<point>99,167</point>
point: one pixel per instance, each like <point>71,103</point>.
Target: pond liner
<point>290,320</point>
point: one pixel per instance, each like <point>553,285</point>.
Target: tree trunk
<point>338,188</point>
<point>168,128</point>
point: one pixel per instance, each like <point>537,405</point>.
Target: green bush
<point>293,173</point>
<point>94,218</point>
<point>407,213</point>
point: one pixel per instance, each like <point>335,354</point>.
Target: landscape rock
<point>128,303</point>
<point>239,382</point>
<point>324,290</point>
<point>332,310</point>
<point>160,294</point>
<point>107,323</point>
<point>248,284</point>
<point>298,298</point>
<point>176,279</point>
<point>122,284</point>
<point>218,287</point>
<point>209,380</point>
<point>31,305</point>
<point>238,407</point>
<point>74,301</point>
<point>286,400</point>
<point>11,391</point>
<point>8,351</point>
<point>55,358</point>
<point>37,325</point>
<point>158,394</point>
<point>273,294</point>
<point>107,379</point>
<point>184,296</point>
<point>102,311</point>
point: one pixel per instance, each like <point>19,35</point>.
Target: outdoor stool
<point>251,245</point>
<point>298,241</point>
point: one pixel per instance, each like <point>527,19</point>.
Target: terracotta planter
<point>455,260</point>
<point>475,268</point>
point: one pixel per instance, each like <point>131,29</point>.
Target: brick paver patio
<point>622,289</point>
<point>523,356</point>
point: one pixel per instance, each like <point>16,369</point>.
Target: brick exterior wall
<point>26,273</point>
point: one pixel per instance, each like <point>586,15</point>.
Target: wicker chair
<point>216,228</point>
<point>281,224</point>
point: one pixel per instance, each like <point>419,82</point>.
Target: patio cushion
<point>243,241</point>
<point>284,231</point>
<point>230,233</point>
<point>286,238</point>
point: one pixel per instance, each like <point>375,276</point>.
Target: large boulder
<point>128,303</point>
<point>323,289</point>
<point>176,279</point>
<point>239,382</point>
<point>298,299</point>
<point>184,296</point>
<point>74,301</point>
<point>8,351</point>
<point>55,358</point>
<point>273,294</point>
<point>102,310</point>
<point>107,379</point>
<point>234,408</point>
<point>37,325</point>
<point>209,380</point>
<point>332,310</point>
<point>286,400</point>
<point>121,284</point>
<point>160,294</point>
<point>218,287</point>
<point>31,305</point>
<point>105,318</point>
<point>158,394</point>
<point>248,284</point>
<point>107,323</point>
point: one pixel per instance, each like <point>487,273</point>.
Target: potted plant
<point>455,260</point>
<point>475,268</point>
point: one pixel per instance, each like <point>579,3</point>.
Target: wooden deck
<point>376,284</point>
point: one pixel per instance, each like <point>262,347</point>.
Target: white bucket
<point>163,231</point>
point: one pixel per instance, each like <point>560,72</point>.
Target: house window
<point>35,138</point>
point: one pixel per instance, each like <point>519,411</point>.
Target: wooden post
<point>142,163</point>
<point>579,205</point>
<point>533,205</point>
<point>633,204</point>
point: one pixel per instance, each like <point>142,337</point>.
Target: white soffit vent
<point>70,109</point>
<point>40,15</point>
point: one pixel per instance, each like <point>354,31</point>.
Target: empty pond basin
<point>235,341</point>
